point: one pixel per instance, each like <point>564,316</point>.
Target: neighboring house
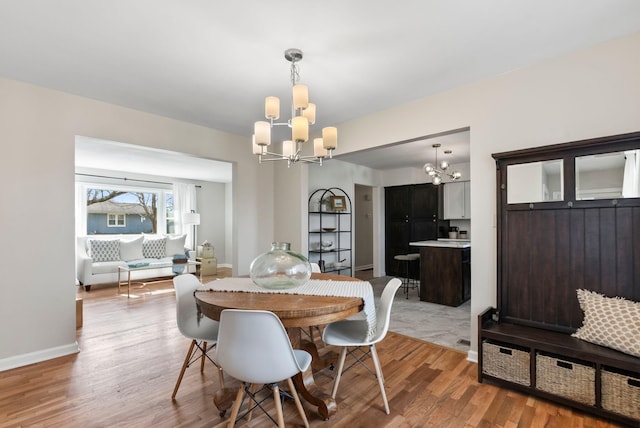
<point>110,217</point>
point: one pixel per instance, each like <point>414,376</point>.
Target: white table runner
<point>315,287</point>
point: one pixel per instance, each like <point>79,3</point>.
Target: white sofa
<point>98,256</point>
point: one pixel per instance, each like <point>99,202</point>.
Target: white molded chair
<point>353,333</point>
<point>315,268</point>
<point>254,348</point>
<point>203,334</point>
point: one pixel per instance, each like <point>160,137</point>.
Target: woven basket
<point>621,393</point>
<point>566,378</point>
<point>506,363</point>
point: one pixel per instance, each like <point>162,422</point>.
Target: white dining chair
<point>315,267</point>
<point>254,348</point>
<point>352,333</point>
<point>203,333</point>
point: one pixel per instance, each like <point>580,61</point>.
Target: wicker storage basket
<point>506,362</point>
<point>621,393</point>
<point>566,378</point>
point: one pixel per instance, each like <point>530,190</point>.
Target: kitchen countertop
<point>445,243</point>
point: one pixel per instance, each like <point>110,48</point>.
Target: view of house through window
<point>124,211</point>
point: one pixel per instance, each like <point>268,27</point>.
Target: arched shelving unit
<point>330,222</point>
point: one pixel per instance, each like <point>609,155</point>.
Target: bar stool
<point>407,282</point>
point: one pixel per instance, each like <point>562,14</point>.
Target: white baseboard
<point>472,356</point>
<point>38,356</point>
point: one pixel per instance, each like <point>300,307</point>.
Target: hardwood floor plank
<point>131,353</point>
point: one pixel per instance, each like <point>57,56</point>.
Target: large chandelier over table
<point>435,173</point>
<point>303,114</point>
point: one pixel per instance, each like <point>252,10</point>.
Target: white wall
<point>37,129</point>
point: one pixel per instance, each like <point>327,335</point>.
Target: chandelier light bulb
<point>262,133</point>
<point>318,148</point>
<point>300,96</point>
<point>444,164</point>
<point>272,108</point>
<point>310,113</point>
<point>436,180</point>
<point>428,168</point>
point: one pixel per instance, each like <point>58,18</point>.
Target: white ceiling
<point>212,63</point>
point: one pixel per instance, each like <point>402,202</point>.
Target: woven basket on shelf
<point>506,363</point>
<point>566,378</point>
<point>621,394</point>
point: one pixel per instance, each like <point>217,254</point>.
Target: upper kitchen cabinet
<point>457,200</point>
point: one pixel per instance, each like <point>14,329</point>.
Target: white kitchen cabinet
<point>457,200</point>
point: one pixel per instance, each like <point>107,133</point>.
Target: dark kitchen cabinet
<point>412,213</point>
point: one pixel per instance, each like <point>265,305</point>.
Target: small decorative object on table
<point>280,268</point>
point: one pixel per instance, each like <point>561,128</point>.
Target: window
<point>129,210</point>
<point>116,220</point>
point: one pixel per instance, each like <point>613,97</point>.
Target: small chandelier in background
<point>303,114</point>
<point>435,173</point>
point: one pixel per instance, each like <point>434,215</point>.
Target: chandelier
<point>435,173</point>
<point>303,114</point>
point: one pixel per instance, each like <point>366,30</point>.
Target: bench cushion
<point>611,322</point>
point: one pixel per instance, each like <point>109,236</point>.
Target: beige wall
<point>37,258</point>
<point>591,93</point>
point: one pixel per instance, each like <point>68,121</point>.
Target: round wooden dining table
<point>296,312</point>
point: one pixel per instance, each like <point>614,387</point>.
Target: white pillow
<point>131,250</point>
<point>610,321</point>
<point>174,245</point>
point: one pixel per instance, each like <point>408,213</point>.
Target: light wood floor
<point>132,352</point>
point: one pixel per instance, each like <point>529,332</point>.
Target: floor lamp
<point>192,218</point>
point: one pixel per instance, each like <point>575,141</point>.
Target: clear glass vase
<point>280,268</point>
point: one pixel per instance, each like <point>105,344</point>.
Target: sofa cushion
<point>174,245</point>
<point>131,249</point>
<point>611,322</point>
<point>106,267</point>
<point>105,250</point>
<point>154,248</point>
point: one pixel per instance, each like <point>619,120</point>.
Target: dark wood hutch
<point>573,231</point>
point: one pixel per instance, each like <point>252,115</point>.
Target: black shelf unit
<point>322,218</point>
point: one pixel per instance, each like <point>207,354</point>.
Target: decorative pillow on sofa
<point>610,321</point>
<point>131,250</point>
<point>153,248</point>
<point>175,245</point>
<point>105,250</point>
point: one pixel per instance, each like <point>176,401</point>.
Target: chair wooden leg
<point>278,403</point>
<point>343,356</point>
<point>376,363</point>
<point>204,353</point>
<point>184,367</point>
<point>236,407</point>
<point>292,388</point>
